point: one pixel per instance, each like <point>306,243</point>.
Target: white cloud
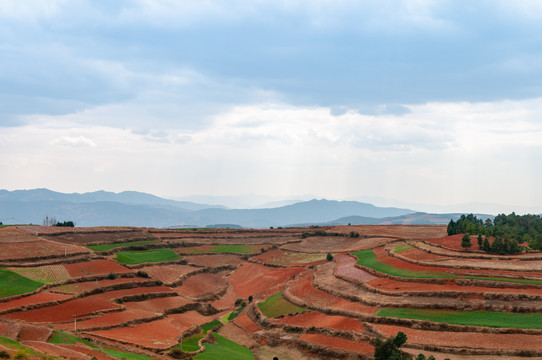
<point>73,141</point>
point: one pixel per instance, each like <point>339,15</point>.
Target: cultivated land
<point>117,292</point>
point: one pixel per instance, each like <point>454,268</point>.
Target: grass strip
<point>276,305</point>
<point>401,248</point>
<point>107,247</point>
<point>146,256</point>
<point>225,349</point>
<point>15,284</point>
<point>473,318</point>
<point>191,343</point>
<point>21,349</point>
<point>368,258</point>
<point>61,337</point>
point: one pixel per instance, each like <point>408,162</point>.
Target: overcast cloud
<point>420,101</point>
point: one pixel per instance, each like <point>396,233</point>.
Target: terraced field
<point>246,294</point>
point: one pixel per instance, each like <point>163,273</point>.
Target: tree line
<point>507,231</point>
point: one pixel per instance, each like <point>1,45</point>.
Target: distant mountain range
<point>132,208</point>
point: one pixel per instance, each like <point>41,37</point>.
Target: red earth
<point>116,318</point>
<point>339,343</point>
<point>202,284</point>
<point>65,312</point>
<point>246,323</point>
<point>465,339</point>
<point>317,319</point>
<point>302,288</point>
<point>95,267</point>
<point>168,273</point>
<point>260,281</point>
<point>346,267</point>
<point>42,297</point>
<point>214,260</point>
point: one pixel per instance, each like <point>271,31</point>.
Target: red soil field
<point>453,242</point>
<point>339,343</point>
<point>9,330</point>
<point>410,286</point>
<point>281,257</point>
<point>32,229</point>
<point>464,339</point>
<point>258,280</point>
<point>227,301</point>
<point>38,298</point>
<point>13,234</point>
<point>398,231</point>
<point>38,249</point>
<point>346,267</point>
<point>201,284</point>
<point>333,244</point>
<point>420,255</point>
<point>95,267</point>
<point>246,323</point>
<point>213,260</point>
<point>317,319</point>
<point>77,288</point>
<point>382,256</point>
<point>64,312</point>
<point>87,351</point>
<point>108,319</point>
<point>32,332</point>
<point>160,334</point>
<point>302,288</point>
<point>167,273</point>
<point>158,305</point>
<point>56,350</point>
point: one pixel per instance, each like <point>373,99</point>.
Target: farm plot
<point>258,280</point>
<point>224,349</point>
<point>214,260</point>
<point>346,267</point>
<point>339,343</point>
<point>44,274</point>
<point>146,256</point>
<point>39,298</point>
<point>167,273</point>
<point>301,289</point>
<point>107,247</point>
<point>397,231</point>
<point>236,249</point>
<point>109,319</point>
<point>95,267</point>
<point>377,259</point>
<point>463,339</point>
<point>289,258</point>
<point>246,323</point>
<point>17,251</point>
<point>474,318</point>
<point>65,312</point>
<point>81,287</point>
<point>15,284</point>
<point>202,284</point>
<point>159,334</point>
<point>104,235</point>
<point>333,244</point>
<point>317,319</point>
<point>276,305</point>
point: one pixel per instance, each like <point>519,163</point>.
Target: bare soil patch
<point>317,319</point>
<point>346,267</point>
<point>289,258</point>
<point>397,231</point>
<point>38,249</point>
<point>214,260</point>
<point>339,343</point>
<point>42,297</point>
<point>167,273</point>
<point>325,244</point>
<point>246,323</point>
<point>258,280</point>
<point>95,267</point>
<point>202,284</point>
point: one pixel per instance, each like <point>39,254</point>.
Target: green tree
<point>480,241</point>
<point>389,349</point>
<point>465,242</point>
<point>486,247</point>
<point>329,257</point>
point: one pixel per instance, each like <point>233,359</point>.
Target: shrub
<point>142,274</point>
<point>329,257</point>
<point>176,353</point>
<point>111,276</point>
<point>21,355</point>
<point>250,298</point>
<point>4,355</point>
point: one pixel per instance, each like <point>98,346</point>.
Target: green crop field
<point>191,343</point>
<point>21,349</point>
<point>225,349</point>
<point>401,248</point>
<point>107,247</point>
<point>146,256</point>
<point>15,284</point>
<point>276,305</point>
<point>60,337</point>
<point>237,249</point>
<point>368,258</point>
<point>473,318</point>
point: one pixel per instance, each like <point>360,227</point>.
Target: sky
<point>427,102</point>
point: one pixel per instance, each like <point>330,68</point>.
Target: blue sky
<point>421,101</point>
